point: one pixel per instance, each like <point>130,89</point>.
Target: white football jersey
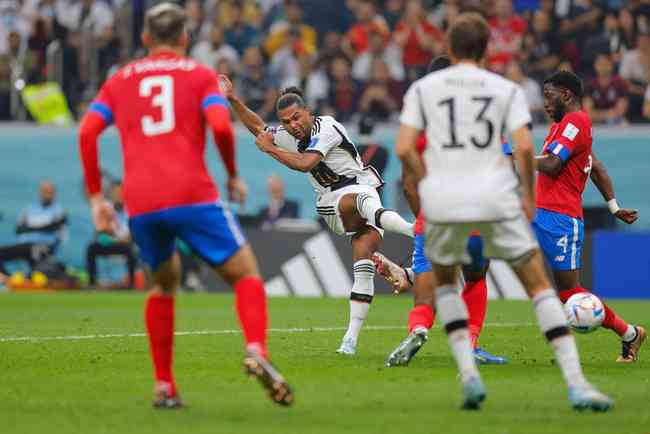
<point>466,112</point>
<point>341,164</point>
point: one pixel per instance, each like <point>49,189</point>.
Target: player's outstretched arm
<point>302,162</point>
<point>406,150</point>
<point>249,118</point>
<point>603,182</point>
<point>525,157</point>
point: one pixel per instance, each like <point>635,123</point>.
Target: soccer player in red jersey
<point>160,105</point>
<point>567,161</point>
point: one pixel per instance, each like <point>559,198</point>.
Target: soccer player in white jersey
<point>467,183</point>
<point>346,191</point>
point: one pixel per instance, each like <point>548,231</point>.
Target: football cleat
<point>408,348</point>
<point>473,393</point>
<point>630,350</point>
<point>392,273</point>
<point>258,367</point>
<point>348,347</point>
<point>482,357</point>
<point>163,398</point>
<point>588,397</point>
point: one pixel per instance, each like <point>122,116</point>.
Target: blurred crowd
<point>353,58</point>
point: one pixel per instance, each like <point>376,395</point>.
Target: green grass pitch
<point>103,384</point>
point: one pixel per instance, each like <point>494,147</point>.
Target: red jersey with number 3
<point>157,105</point>
<point>571,141</point>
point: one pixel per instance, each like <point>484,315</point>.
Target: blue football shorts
<point>560,237</point>
<point>422,264</point>
<point>210,230</point>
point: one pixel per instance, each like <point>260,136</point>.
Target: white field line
<point>223,332</point>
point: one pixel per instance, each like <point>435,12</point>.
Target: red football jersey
<point>570,140</point>
<point>419,222</point>
<point>157,103</point>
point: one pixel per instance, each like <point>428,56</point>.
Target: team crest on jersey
<point>570,131</point>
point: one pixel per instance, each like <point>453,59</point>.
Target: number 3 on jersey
<point>164,99</point>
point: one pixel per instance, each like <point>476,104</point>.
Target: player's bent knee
<point>239,266</point>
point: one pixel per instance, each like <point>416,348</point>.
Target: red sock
<point>159,319</point>
<point>251,308</point>
<point>421,316</point>
<point>475,297</point>
<point>611,321</point>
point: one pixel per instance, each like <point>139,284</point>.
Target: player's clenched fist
<point>225,86</point>
<point>629,216</point>
<point>264,141</point>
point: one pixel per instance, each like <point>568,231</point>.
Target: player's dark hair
<point>567,80</point>
<point>440,62</point>
<point>468,36</point>
<point>290,96</point>
<point>165,22</point>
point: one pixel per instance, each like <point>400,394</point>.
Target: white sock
<point>370,207</point>
<point>363,290</point>
<point>552,321</point>
<point>453,315</point>
<point>630,334</point>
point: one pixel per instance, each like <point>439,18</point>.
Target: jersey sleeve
<point>566,143</point>
<point>412,110</point>
<point>326,139</point>
<point>103,103</point>
<point>211,95</point>
<point>282,138</point>
<point>517,110</point>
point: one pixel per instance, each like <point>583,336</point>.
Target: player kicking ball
<point>467,183</point>
<point>160,105</point>
<point>419,276</point>
<point>346,191</point>
<point>567,161</point>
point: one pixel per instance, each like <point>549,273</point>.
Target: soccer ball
<point>585,312</point>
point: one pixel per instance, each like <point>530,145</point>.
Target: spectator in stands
<point>256,86</point>
<point>578,21</point>
<point>393,10</point>
<point>343,90</point>
<point>610,40</point>
<point>40,230</point>
<point>532,90</point>
<point>210,52</point>
<point>292,28</point>
<point>93,15</point>
<point>115,240</point>
<point>418,39</point>
<point>17,62</point>
<point>635,70</point>
<point>606,96</point>
<point>12,20</point>
<point>646,104</point>
<point>367,22</point>
<point>379,49</point>
<point>313,81</point>
<point>507,32</point>
<point>195,22</point>
<point>331,48</point>
<point>286,62</point>
<point>381,95</point>
<point>541,47</point>
<point>279,206</point>
<point>240,35</point>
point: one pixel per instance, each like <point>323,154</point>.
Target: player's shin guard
<point>371,209</point>
<point>552,321</point>
<point>250,302</point>
<point>159,320</point>
<point>363,290</point>
<point>475,298</point>
<point>453,315</point>
<point>421,316</point>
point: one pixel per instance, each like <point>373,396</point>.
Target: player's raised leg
<point>370,208</point>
